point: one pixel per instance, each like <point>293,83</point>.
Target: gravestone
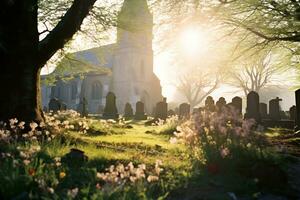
<point>75,158</point>
<point>128,111</point>
<point>297,120</point>
<point>210,104</point>
<point>252,110</point>
<point>274,109</point>
<point>293,111</point>
<point>82,107</point>
<point>110,110</point>
<point>140,111</point>
<point>171,113</point>
<point>184,110</point>
<point>237,104</point>
<point>54,105</point>
<point>263,110</point>
<point>220,104</point>
<point>161,110</point>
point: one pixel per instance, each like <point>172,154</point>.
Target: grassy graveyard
<point>142,160</point>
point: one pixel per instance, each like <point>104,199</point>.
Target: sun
<point>194,41</point>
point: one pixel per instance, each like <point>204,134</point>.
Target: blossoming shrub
<point>217,136</point>
<point>167,126</point>
<point>39,178</point>
<point>28,170</point>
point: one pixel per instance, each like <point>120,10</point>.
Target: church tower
<point>133,77</point>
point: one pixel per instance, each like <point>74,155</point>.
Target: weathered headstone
<point>82,107</point>
<point>252,110</point>
<point>293,111</point>
<point>171,113</point>
<point>161,110</point>
<point>210,104</point>
<point>263,110</point>
<point>128,111</point>
<point>220,104</point>
<point>54,105</point>
<point>110,110</point>
<point>274,109</point>
<point>75,158</point>
<point>184,110</point>
<point>237,104</point>
<point>140,111</point>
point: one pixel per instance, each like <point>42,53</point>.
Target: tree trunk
<point>20,73</point>
<point>22,55</point>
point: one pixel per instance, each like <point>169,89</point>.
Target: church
<point>124,68</point>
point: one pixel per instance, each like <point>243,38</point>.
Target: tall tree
<point>22,55</point>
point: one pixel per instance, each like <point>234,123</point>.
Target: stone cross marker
<point>184,110</point>
<point>110,110</point>
<point>274,109</point>
<point>252,110</point>
<point>263,110</point>
<point>161,110</point>
<point>128,111</point>
<point>140,111</point>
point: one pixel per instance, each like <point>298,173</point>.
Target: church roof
<point>97,60</point>
<point>99,56</point>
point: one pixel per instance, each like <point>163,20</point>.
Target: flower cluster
<point>54,124</point>
<point>16,130</point>
<point>120,174</point>
<point>215,130</point>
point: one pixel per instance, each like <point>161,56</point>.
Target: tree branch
<point>64,30</point>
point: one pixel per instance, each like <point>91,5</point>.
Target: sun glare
<point>193,41</point>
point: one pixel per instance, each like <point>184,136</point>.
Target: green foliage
<point>34,168</point>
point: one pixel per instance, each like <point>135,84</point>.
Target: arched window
<point>97,89</point>
<point>73,91</point>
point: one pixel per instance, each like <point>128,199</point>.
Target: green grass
<point>138,143</point>
<point>134,145</point>
<point>120,145</point>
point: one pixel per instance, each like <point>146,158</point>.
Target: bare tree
<point>195,87</point>
<point>255,73</point>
